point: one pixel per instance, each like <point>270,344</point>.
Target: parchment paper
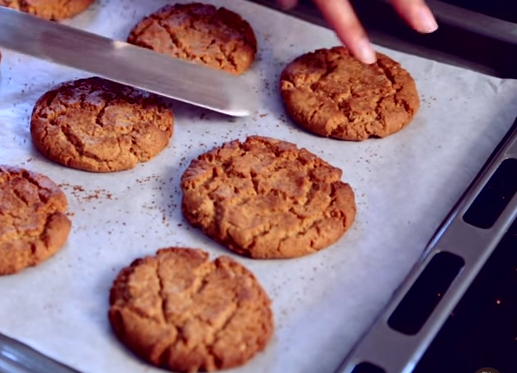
<point>405,185</point>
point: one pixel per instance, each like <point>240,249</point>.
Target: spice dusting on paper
<point>83,195</point>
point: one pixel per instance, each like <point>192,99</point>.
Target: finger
<point>287,4</point>
<point>341,17</point>
<point>417,14</point>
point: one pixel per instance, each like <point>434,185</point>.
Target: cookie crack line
<point>317,110</point>
<point>217,337</point>
<point>389,75</point>
<point>34,182</point>
<point>202,285</point>
<point>398,87</point>
<point>140,29</point>
<point>290,234</point>
<point>41,236</point>
<point>18,196</point>
<point>330,70</point>
<point>99,115</point>
<point>214,334</point>
<point>172,37</point>
<point>161,292</point>
<point>78,145</point>
<point>228,57</point>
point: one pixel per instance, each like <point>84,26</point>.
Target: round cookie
<point>54,10</point>
<point>180,311</point>
<point>33,224</point>
<point>267,199</point>
<point>100,126</point>
<point>216,37</point>
<point>330,93</point>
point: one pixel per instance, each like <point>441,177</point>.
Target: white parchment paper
<point>405,185</point>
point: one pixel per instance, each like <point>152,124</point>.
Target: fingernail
<point>427,22</point>
<point>365,52</point>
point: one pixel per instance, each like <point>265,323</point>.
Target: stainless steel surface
<point>399,353</point>
<point>16,357</point>
<point>124,63</point>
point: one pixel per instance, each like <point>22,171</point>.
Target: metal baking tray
<point>460,41</point>
<point>484,220</point>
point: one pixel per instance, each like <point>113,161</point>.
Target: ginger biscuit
<point>180,311</point>
<point>54,10</point>
<point>33,224</point>
<point>330,93</point>
<point>100,126</point>
<point>267,199</point>
<point>202,33</point>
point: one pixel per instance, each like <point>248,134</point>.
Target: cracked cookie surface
<point>267,199</point>
<point>54,10</point>
<point>180,311</point>
<point>330,93</point>
<point>33,224</point>
<point>202,33</point>
<point>100,126</point>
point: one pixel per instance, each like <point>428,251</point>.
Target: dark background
<point>480,35</point>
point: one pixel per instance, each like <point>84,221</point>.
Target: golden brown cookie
<point>201,33</point>
<point>33,224</point>
<point>332,94</point>
<point>54,10</point>
<point>100,126</point>
<point>180,311</point>
<point>267,199</point>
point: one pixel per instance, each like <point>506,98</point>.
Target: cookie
<point>33,224</point>
<point>330,93</point>
<point>267,199</point>
<point>100,126</point>
<point>202,33</point>
<point>180,311</point>
<point>54,10</point>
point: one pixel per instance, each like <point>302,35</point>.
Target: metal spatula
<point>127,64</point>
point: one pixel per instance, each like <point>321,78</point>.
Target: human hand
<point>341,17</point>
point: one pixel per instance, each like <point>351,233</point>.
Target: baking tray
<point>322,303</point>
<point>477,236</point>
